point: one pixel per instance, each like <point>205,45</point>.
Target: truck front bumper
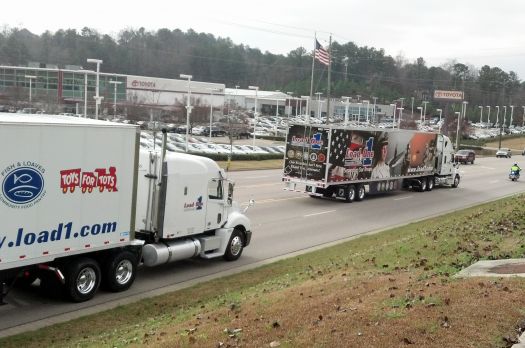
<point>248,238</point>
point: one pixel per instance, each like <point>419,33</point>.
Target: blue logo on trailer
<point>22,185</point>
<point>316,142</point>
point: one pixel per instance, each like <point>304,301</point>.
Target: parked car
<point>465,156</point>
<point>504,152</point>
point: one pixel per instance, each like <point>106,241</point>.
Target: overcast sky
<point>478,32</point>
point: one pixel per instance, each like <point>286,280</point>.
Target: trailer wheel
<point>456,181</point>
<point>82,279</point>
<point>350,193</point>
<point>120,271</point>
<point>235,246</point>
<point>360,193</point>
<point>422,185</point>
<point>430,183</point>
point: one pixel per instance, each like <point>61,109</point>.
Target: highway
<point>283,223</point>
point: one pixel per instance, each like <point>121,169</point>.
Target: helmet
<point>515,164</point>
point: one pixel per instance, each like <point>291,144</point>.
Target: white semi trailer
<point>347,163</point>
<point>81,204</point>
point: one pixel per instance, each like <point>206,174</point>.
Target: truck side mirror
<point>251,203</point>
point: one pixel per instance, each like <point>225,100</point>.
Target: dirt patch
<point>389,310</point>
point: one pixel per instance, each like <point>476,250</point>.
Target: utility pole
<point>329,81</point>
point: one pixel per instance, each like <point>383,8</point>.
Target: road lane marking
<point>400,198</point>
<point>485,167</point>
<point>493,181</point>
<point>258,185</point>
<point>256,177</point>
<point>272,200</point>
<point>323,212</point>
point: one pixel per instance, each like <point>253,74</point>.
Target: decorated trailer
<point>348,163</point>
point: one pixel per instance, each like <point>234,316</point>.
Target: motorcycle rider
<point>515,168</point>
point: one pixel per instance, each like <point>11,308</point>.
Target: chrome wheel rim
<point>236,245</point>
<point>124,272</point>
<point>86,281</point>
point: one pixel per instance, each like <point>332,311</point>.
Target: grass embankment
<point>252,165</point>
<point>394,288</point>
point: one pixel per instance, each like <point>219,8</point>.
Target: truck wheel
<point>235,246</point>
<point>82,279</point>
<point>422,184</point>
<point>430,183</point>
<point>456,181</point>
<point>120,271</point>
<point>360,193</point>
<point>350,193</point>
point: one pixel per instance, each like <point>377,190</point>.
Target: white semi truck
<point>348,163</point>
<point>81,204</point>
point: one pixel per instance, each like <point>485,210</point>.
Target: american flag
<point>338,146</point>
<point>321,54</point>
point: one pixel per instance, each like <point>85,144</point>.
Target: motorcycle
<point>514,175</point>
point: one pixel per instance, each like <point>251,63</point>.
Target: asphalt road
<point>283,223</point>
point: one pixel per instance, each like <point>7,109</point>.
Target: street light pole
<point>480,115</point>
<point>523,118</point>
<point>511,114</point>
<point>359,112</point>
<point>97,96</point>
<point>31,78</point>
<point>457,132</point>
<point>412,98</point>
<point>188,107</point>
<point>399,118</point>
<point>497,115</point>
<point>347,103</point>
<point>421,117</point>
<point>374,113</point>
<point>367,107</point>
<point>307,98</point>
<point>289,103</point>
<point>400,112</point>
<point>394,107</point>
<point>425,110</point>
<point>488,116</point>
<point>115,83</point>
<point>504,115</point>
<point>211,109</point>
<point>440,112</point>
<point>256,88</point>
<point>319,105</point>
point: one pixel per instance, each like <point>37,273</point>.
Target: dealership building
<point>72,89</point>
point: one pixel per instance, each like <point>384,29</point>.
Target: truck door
<point>216,204</point>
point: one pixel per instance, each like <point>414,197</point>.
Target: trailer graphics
<point>306,152</point>
<point>356,161</point>
<point>22,185</point>
<point>358,154</point>
<point>88,181</point>
<point>63,231</point>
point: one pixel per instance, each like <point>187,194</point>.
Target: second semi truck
<point>347,163</point>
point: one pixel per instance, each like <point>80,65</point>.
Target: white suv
<point>504,152</point>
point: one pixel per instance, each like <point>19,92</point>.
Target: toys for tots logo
<point>100,178</point>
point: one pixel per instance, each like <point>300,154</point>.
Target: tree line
<point>166,53</point>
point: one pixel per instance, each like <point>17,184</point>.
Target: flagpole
<point>328,88</point>
<point>312,79</point>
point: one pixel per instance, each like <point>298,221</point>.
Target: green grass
<point>438,247</point>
